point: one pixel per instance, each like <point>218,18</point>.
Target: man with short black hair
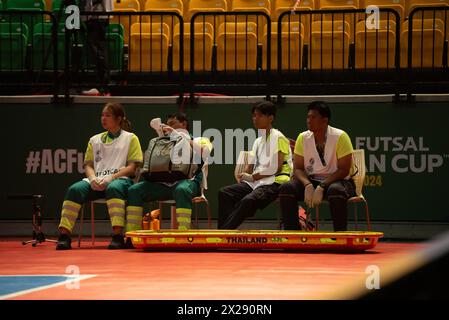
<point>269,167</point>
<point>323,169</point>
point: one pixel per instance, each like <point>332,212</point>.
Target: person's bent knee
<point>72,191</point>
<point>182,193</point>
<point>224,190</point>
<point>249,200</point>
<point>335,190</point>
<point>134,188</point>
<point>76,192</point>
<point>287,189</point>
<point>136,195</point>
<point>114,189</point>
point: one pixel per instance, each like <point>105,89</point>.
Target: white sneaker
<point>91,92</point>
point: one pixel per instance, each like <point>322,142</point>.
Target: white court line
<point>70,279</point>
<point>304,271</point>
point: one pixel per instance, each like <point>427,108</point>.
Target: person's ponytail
<point>125,124</point>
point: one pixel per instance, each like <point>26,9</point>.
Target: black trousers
<point>337,194</point>
<point>239,201</point>
<point>96,41</point>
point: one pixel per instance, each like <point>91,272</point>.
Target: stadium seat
<point>280,6</point>
<point>26,5</point>
<point>126,21</point>
<point>14,27</point>
<point>116,28</point>
<point>55,8</point>
<point>203,37</point>
<point>329,48</point>
<point>149,47</point>
<point>55,5</point>
<point>207,6</point>
<point>42,54</point>
<point>175,6</point>
<point>13,52</point>
<point>412,4</point>
<point>292,42</point>
<point>127,4</point>
<point>350,18</point>
<point>116,44</point>
<point>380,46</point>
<point>305,19</point>
<point>337,4</point>
<point>427,37</point>
<point>397,5</point>
<point>204,6</point>
<point>237,46</point>
<point>41,49</point>
<point>252,5</point>
<point>13,42</point>
<point>142,4</point>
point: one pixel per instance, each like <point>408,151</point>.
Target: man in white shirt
<point>258,186</point>
<point>323,170</point>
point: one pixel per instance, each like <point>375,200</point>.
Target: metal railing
<point>28,57</point>
<point>229,52</point>
<point>153,50</point>
<point>432,20</point>
<point>234,43</point>
<point>314,28</point>
<point>337,47</point>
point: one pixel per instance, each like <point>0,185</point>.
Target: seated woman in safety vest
<point>182,191</point>
<point>259,183</point>
<point>111,159</point>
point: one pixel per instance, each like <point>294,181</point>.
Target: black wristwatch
<point>323,185</point>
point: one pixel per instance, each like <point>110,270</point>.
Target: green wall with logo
<point>406,147</point>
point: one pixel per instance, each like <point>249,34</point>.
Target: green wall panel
<point>406,151</point>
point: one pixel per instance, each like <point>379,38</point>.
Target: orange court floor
<point>96,273</point>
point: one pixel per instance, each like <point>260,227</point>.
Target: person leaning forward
<point>323,169</point>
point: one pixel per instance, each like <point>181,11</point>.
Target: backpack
<point>164,160</point>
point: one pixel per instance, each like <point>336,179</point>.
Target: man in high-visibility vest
<point>323,169</point>
<point>182,191</point>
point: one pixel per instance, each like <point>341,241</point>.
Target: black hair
<point>180,116</point>
<point>321,107</point>
<point>267,108</point>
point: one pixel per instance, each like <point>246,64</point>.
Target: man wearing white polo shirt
<point>323,169</point>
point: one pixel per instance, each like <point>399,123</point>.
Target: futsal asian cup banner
<point>406,151</point>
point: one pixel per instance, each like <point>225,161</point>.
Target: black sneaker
<point>117,242</point>
<point>129,244</point>
<point>64,242</point>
